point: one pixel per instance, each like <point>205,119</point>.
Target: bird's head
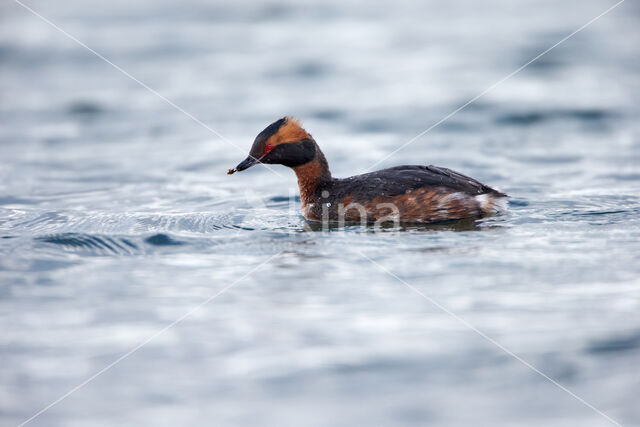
<point>283,142</point>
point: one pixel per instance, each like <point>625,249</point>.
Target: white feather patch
<point>491,204</point>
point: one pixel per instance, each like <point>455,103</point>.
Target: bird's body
<point>416,194</point>
<point>413,193</point>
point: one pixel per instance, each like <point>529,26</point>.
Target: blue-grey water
<point>117,217</point>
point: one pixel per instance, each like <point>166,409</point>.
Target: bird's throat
<point>310,175</point>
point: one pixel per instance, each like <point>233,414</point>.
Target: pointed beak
<point>245,164</point>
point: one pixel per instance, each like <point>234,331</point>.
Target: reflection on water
<point>117,217</point>
<point>455,225</point>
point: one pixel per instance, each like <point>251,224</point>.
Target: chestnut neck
<point>312,174</point>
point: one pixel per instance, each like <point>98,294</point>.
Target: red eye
<point>268,148</point>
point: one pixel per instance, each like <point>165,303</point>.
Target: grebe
<point>412,194</point>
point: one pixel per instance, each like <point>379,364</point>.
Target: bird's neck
<point>311,175</point>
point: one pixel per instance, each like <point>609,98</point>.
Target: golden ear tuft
<point>290,131</point>
<point>293,120</point>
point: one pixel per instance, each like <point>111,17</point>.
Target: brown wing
<point>401,179</point>
<point>462,182</point>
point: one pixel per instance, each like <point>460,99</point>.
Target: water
<point>117,217</point>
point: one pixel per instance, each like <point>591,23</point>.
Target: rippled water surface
<point>117,217</point>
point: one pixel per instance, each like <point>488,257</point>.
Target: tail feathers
<point>492,203</point>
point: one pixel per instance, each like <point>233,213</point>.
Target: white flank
<point>491,204</point>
